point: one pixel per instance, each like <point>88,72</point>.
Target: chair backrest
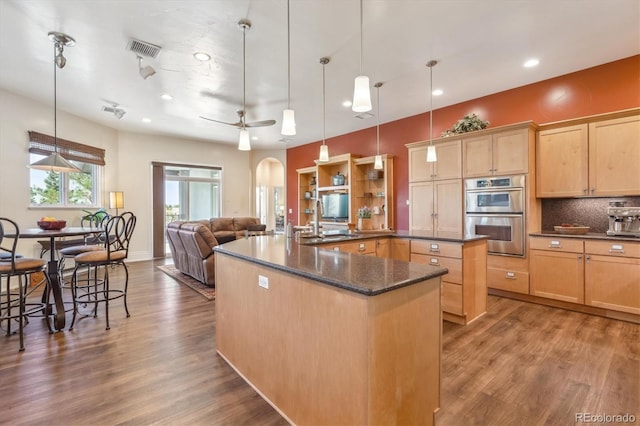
<point>95,220</point>
<point>118,231</point>
<point>9,234</point>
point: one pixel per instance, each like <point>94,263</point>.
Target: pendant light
<point>288,115</point>
<point>377,163</point>
<point>431,150</point>
<point>55,162</point>
<point>361,94</point>
<point>324,149</point>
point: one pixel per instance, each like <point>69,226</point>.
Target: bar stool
<point>97,289</point>
<point>13,301</point>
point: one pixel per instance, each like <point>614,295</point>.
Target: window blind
<point>42,144</point>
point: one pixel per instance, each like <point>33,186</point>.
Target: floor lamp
<point>116,200</point>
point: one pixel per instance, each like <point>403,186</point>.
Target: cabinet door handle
<point>555,244</point>
<point>510,275</point>
<point>593,191</point>
<point>434,261</point>
<point>584,191</point>
<point>434,248</point>
<point>579,258</point>
<point>587,258</point>
<point>617,249</point>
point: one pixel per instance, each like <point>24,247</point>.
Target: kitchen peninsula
<point>329,337</point>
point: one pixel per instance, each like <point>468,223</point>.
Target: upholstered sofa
<point>192,242</point>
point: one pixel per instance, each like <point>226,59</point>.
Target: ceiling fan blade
<point>261,123</point>
<point>238,124</point>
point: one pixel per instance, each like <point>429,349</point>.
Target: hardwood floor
<point>520,364</point>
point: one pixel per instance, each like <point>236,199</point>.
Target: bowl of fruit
<point>51,223</point>
<point>572,229</point>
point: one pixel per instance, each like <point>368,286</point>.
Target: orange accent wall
<point>605,88</point>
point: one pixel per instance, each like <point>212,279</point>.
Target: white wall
<point>128,157</point>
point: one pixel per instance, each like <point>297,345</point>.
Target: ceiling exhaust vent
<point>142,48</point>
<point>118,112</point>
<point>363,115</point>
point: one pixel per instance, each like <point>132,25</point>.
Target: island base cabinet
<point>613,283</point>
<point>324,355</point>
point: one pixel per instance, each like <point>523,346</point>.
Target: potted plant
<point>364,218</point>
<point>468,123</point>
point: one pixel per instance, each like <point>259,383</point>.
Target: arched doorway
<point>270,194</point>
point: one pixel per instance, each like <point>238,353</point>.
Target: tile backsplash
<point>591,212</point>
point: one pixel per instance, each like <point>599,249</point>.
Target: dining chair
<point>89,243</point>
<point>95,288</point>
<point>14,303</point>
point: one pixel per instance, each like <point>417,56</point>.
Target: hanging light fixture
<point>377,163</point>
<point>361,94</point>
<point>324,149</point>
<point>288,115</point>
<point>431,150</point>
<point>56,162</point>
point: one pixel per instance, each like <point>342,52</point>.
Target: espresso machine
<point>623,221</point>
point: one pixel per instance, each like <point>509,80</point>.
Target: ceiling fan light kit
<point>56,162</point>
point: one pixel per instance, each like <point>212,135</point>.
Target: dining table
<point>52,266</point>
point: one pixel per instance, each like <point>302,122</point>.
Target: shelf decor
<point>364,219</point>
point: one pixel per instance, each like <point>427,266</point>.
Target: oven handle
<point>476,214</point>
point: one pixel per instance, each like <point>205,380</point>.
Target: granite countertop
<point>391,234</point>
<point>588,235</point>
<point>368,275</point>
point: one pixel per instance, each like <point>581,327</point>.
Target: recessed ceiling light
<point>531,63</point>
<point>166,97</point>
<point>146,120</point>
<point>437,92</point>
<point>201,56</point>
<point>347,103</point>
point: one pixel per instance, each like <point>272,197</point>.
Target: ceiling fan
<point>244,25</point>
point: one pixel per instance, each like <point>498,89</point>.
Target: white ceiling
<point>480,45</point>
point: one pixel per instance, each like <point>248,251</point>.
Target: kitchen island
<point>330,337</point>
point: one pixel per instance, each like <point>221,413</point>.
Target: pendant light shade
<point>324,154</point>
<point>361,93</point>
<point>377,162</point>
<point>324,149</point>
<point>244,144</point>
<point>431,150</point>
<point>288,115</point>
<point>288,122</point>
<point>55,162</point>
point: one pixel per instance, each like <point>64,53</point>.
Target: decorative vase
<point>364,224</point>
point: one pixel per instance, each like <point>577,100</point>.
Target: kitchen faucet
<point>316,219</point>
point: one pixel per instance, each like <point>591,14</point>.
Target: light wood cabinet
<point>594,157</point>
<point>504,152</point>
<point>603,274</point>
<point>374,189</point>
<point>557,268</point>
<point>612,275</point>
<point>448,166</point>
<point>436,207</point>
<point>464,287</point>
<point>508,273</point>
<point>306,194</point>
<point>356,247</point>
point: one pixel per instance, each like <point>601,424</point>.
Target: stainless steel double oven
<point>495,206</point>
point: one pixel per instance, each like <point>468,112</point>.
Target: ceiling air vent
<point>142,48</point>
<point>363,115</point>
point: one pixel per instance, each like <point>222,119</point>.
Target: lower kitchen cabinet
<point>612,276</point>
<point>464,287</point>
<point>357,247</point>
<point>508,273</point>
<point>557,270</point>
<point>599,273</point>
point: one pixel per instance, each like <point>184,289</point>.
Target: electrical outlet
<point>263,281</point>
<point>290,211</point>
<point>407,202</point>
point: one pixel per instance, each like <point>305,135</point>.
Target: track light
<point>145,72</point>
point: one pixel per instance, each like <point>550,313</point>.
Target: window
<point>65,189</point>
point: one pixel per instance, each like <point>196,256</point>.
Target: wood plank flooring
<point>520,364</point>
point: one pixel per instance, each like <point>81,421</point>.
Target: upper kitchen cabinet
<point>448,166</point>
<point>374,189</point>
<point>594,156</point>
<point>499,151</point>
